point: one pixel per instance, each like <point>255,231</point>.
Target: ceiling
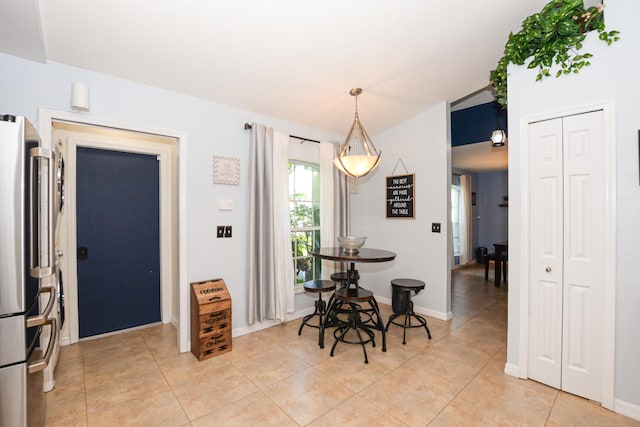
<point>480,157</point>
<point>290,59</point>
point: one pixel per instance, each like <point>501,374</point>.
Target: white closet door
<point>583,254</point>
<point>566,271</point>
<point>545,285</point>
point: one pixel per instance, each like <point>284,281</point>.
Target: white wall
<point>613,75</point>
<point>211,129</point>
<point>423,143</point>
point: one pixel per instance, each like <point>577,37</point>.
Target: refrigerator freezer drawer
<point>13,346</point>
<point>13,396</point>
<point>21,397</point>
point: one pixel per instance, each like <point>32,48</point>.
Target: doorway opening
<point>72,137</point>
<point>479,180</point>
<point>172,155</point>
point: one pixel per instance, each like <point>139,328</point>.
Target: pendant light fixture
<point>358,156</point>
<point>498,136</point>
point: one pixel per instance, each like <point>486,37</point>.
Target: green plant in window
<point>301,242</point>
<point>304,216</point>
<point>554,35</point>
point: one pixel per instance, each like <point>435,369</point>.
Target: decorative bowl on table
<point>351,244</point>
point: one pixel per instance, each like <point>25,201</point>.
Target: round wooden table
<point>363,255</point>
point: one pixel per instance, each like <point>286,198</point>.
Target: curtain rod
<point>248,126</point>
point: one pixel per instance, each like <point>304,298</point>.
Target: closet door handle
<point>548,269</point>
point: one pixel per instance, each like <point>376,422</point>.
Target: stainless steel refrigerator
<point>30,196</point>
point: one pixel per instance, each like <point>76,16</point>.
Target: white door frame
<point>609,274</point>
<point>46,117</point>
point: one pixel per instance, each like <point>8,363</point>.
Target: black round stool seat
<point>403,306</point>
<point>408,284</point>
<point>317,286</point>
<point>354,294</point>
<point>343,278</point>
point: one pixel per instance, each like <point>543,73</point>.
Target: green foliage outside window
<point>304,213</point>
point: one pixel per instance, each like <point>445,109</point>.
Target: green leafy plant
<point>303,243</point>
<point>554,35</point>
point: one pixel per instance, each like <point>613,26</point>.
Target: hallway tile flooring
<point>276,378</point>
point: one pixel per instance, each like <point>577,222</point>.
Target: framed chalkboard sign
<point>400,196</point>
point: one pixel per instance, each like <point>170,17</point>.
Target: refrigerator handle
<point>41,318</point>
<point>40,364</point>
<point>35,268</point>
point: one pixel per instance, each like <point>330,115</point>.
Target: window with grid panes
<point>304,213</point>
<point>455,219</point>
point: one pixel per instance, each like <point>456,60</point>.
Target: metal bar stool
<point>403,306</point>
<point>351,297</point>
<point>342,277</point>
<point>317,286</point>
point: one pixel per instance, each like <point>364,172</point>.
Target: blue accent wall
<point>493,218</point>
<point>475,124</point>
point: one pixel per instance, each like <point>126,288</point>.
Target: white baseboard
<point>244,330</point>
<point>421,310</point>
<point>383,300</point>
<point>511,369</point>
<point>258,326</point>
<point>627,409</point>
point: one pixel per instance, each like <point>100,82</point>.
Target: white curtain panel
<point>334,205</point>
<point>466,249</point>
<point>342,201</point>
<point>271,278</point>
<point>327,204</point>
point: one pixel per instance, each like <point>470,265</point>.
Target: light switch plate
<point>227,231</point>
<point>435,227</point>
<point>220,231</point>
<point>225,204</point>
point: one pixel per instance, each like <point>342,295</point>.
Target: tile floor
<point>276,378</point>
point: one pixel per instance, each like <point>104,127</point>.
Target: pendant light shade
<point>358,156</point>
<point>498,138</point>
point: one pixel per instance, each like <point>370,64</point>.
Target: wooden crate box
<point>210,318</point>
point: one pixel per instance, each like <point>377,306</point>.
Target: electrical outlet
<point>435,227</point>
<point>227,231</point>
<point>220,231</point>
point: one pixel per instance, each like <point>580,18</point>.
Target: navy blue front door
<point>118,230</point>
